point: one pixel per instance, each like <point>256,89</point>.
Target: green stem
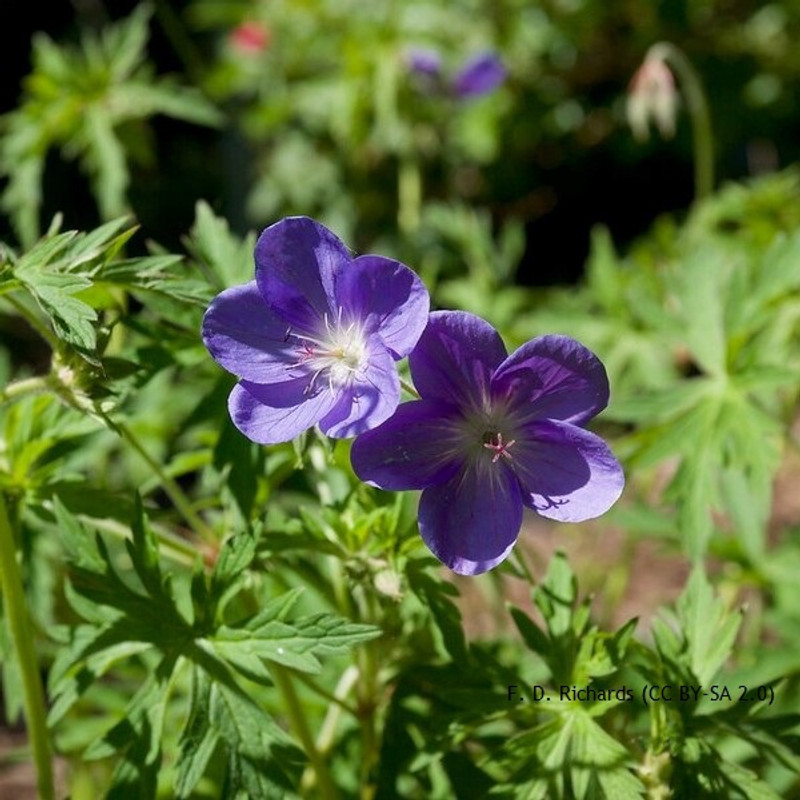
<point>409,196</point>
<point>367,691</point>
<point>16,612</point>
<point>522,564</point>
<point>343,688</point>
<point>169,485</point>
<point>697,106</point>
<point>299,724</point>
<point>20,388</point>
<point>336,700</point>
<point>409,388</point>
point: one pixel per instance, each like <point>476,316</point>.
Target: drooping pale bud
<point>652,96</point>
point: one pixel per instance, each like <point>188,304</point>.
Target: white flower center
<point>335,355</point>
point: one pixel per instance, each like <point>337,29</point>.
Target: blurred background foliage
<point>317,113</point>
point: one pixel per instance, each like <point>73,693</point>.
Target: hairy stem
<point>25,386</point>
<point>19,624</point>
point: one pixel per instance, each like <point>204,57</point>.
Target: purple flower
<point>425,62</point>
<point>493,433</point>
<point>481,74</point>
<point>315,336</point>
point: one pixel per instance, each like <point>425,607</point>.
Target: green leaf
<point>261,760</point>
<point>228,258</point>
<point>700,282</point>
<point>556,595</point>
<point>534,638</point>
<point>105,161</point>
<point>708,626</point>
<point>198,740</point>
<point>295,644</point>
<point>143,550</point>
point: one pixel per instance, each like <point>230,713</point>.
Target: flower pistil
<point>494,442</point>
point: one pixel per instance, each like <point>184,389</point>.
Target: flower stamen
<point>495,443</point>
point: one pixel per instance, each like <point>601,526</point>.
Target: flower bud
<point>652,96</point>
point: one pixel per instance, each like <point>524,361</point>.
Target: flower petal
<point>425,62</point>
<point>296,264</point>
<point>471,523</point>
<point>370,399</point>
<point>246,337</point>
<point>566,473</point>
<point>480,75</point>
<point>552,377</point>
<point>385,297</point>
<point>277,412</point>
<point>455,358</point>
<point>410,450</point>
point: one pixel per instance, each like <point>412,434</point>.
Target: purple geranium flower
<point>493,433</point>
<point>481,74</point>
<point>315,336</point>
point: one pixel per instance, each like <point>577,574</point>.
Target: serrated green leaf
<point>143,550</point>
<point>235,556</point>
<point>228,258</point>
<point>198,739</point>
<point>262,760</point>
<point>295,645</point>
<point>710,629</point>
<point>701,282</point>
<point>72,319</point>
<point>77,540</point>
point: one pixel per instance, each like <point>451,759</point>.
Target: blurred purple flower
<point>315,336</point>
<point>480,75</point>
<point>493,433</point>
<point>425,62</point>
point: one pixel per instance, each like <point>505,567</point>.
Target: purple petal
<point>370,399</point>
<point>567,473</point>
<point>387,298</point>
<point>480,75</point>
<point>470,523</point>
<point>424,62</point>
<point>455,358</point>
<point>412,450</point>
<point>246,337</point>
<point>277,412</point>
<point>552,377</point>
<point>296,264</point>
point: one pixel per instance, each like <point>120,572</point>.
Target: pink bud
<point>250,38</point>
<point>652,96</point>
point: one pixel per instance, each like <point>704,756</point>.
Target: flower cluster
<point>314,340</point>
